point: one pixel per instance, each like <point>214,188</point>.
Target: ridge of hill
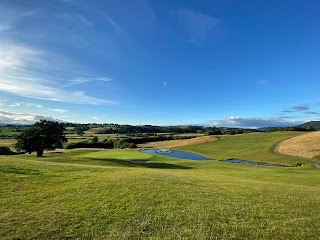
<point>314,124</point>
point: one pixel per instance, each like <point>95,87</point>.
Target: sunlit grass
<point>7,142</point>
<point>108,195</point>
<point>306,145</point>
<point>253,147</point>
<point>178,143</point>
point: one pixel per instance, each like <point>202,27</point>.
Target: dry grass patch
<point>306,145</point>
<point>7,142</point>
<point>178,143</point>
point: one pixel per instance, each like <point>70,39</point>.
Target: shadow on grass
<point>110,161</point>
<point>19,170</point>
<point>143,163</point>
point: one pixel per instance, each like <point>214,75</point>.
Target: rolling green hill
<point>126,194</point>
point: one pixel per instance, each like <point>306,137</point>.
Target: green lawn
<point>111,195</point>
<point>253,146</point>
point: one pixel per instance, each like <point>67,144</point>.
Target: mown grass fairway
<point>253,147</point>
<point>108,195</point>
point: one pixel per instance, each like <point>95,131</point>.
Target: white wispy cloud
<point>196,24</point>
<point>82,80</point>
<point>26,104</point>
<point>22,118</point>
<point>59,110</point>
<point>2,102</point>
<point>10,17</point>
<point>254,122</point>
<point>26,72</point>
<point>93,8</point>
<point>113,23</point>
<point>86,21</point>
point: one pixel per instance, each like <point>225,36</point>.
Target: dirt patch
<point>178,143</point>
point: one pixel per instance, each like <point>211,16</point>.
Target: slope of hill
<point>314,124</point>
<point>306,145</point>
<point>178,143</point>
<point>127,194</point>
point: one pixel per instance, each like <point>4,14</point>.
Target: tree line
<point>149,129</point>
<point>123,142</point>
<point>49,135</point>
<point>295,128</point>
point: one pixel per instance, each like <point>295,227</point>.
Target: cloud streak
<point>26,104</point>
<point>196,24</point>
<point>25,72</point>
<point>303,107</point>
<point>9,17</point>
<point>86,21</point>
<point>254,122</point>
<point>297,108</point>
<point>59,110</point>
<point>22,118</point>
<point>311,113</point>
<point>83,80</point>
<point>114,24</point>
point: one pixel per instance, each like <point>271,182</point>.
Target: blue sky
<point>168,62</point>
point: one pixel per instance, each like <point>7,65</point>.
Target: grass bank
<point>123,194</point>
<point>254,146</point>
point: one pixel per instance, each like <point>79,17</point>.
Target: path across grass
<point>274,151</point>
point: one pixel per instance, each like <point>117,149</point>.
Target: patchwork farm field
<point>127,194</point>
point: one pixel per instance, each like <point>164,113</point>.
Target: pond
<point>176,154</point>
<point>194,156</point>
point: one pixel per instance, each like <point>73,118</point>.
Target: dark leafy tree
<point>239,131</point>
<point>43,135</point>
<point>214,131</point>
<point>94,139</point>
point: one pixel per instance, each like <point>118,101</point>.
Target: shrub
<point>6,151</point>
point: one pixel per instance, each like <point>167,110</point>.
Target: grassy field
<point>306,145</point>
<point>254,146</point>
<point>126,194</point>
<point>7,142</point>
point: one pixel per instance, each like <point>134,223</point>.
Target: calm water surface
<point>176,154</point>
<point>194,156</point>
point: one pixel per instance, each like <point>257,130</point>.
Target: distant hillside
<point>314,124</point>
